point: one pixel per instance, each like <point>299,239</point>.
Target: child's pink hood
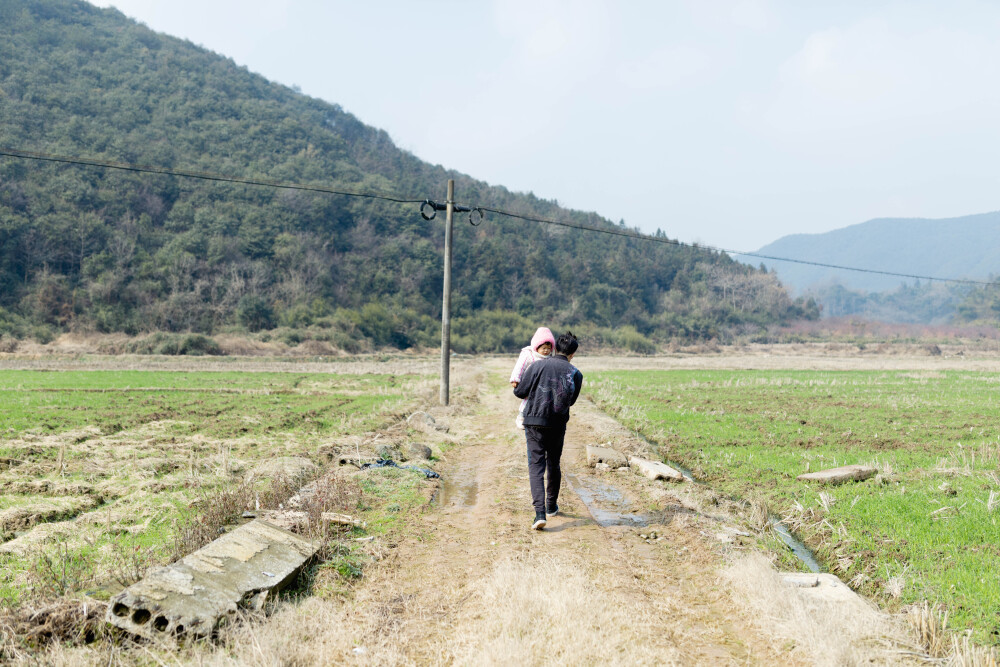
<point>543,335</point>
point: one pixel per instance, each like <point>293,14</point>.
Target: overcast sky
<point>728,122</point>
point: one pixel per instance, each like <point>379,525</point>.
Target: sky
<point>730,123</point>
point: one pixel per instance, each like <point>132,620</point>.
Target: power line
<point>480,210</point>
<point>666,241</point>
<point>205,176</point>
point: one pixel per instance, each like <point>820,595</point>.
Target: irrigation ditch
<point>798,548</point>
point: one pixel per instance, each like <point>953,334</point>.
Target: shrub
<point>629,339</point>
<point>254,313</point>
<point>174,344</point>
<point>7,344</point>
<point>619,339</point>
<point>196,345</point>
<point>491,331</point>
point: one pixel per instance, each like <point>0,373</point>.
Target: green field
<point>225,404</point>
<point>925,528</point>
<point>99,466</point>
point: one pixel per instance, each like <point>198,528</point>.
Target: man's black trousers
<point>545,445</point>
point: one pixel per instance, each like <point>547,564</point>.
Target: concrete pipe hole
<point>140,616</point>
<point>160,623</point>
<point>120,610</point>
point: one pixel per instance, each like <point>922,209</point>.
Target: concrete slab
<point>190,597</point>
<point>296,520</point>
<point>612,457</point>
<point>853,473</point>
<point>655,470</point>
<point>828,588</point>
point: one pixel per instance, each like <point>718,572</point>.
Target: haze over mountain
<point>86,248</point>
<point>966,247</point>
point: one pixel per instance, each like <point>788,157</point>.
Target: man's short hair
<point>567,344</point>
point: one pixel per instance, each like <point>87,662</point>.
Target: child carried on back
<point>541,347</point>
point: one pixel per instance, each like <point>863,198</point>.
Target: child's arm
<point>523,360</point>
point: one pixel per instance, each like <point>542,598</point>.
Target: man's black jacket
<point>551,386</point>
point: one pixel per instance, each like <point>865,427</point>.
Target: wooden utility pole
<point>446,297</point>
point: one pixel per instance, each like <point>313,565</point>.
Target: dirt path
<point>475,584</point>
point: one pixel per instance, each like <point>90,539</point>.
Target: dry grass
<point>954,649</point>
<point>64,622</point>
<point>930,628</point>
<point>537,610</point>
<point>757,514</point>
<point>817,356</point>
<point>823,632</point>
<point>545,610</point>
<point>966,460</point>
<point>964,653</point>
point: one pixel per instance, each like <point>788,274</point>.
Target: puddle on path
<point>459,488</point>
<point>607,505</point>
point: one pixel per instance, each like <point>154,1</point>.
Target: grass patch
<point>390,493</point>
<point>926,528</point>
<point>160,458</point>
<point>219,404</point>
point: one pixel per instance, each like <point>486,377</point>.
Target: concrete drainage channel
<point>612,459</point>
<point>800,550</point>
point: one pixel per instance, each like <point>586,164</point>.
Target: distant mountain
<point>965,247</point>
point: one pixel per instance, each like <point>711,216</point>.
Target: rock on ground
<point>426,421</point>
<point>417,451</point>
<point>388,451</point>
<point>839,475</point>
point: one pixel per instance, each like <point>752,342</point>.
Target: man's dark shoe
<point>539,521</point>
<point>551,510</point>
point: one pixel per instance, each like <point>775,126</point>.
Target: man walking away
<point>550,386</point>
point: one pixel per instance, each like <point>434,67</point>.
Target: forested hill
<point>86,248</point>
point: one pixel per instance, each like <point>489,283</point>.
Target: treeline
<point>981,304</point>
<point>91,249</point>
<point>919,303</point>
<point>933,303</point>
